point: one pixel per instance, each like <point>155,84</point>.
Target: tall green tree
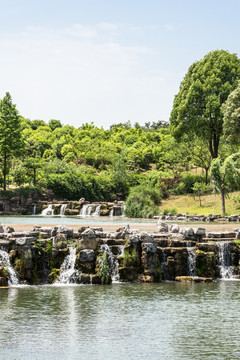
<point>10,134</point>
<point>226,176</point>
<point>231,117</point>
<point>197,106</point>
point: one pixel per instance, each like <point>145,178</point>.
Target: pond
<point>132,321</point>
<point>106,222</point>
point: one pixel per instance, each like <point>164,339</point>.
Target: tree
<point>231,117</point>
<point>54,124</point>
<point>226,176</point>
<point>197,106</point>
<point>201,157</point>
<point>10,129</point>
<point>199,188</point>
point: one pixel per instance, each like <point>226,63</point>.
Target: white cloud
<point>76,75</point>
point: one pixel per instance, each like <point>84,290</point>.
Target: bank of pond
<point>89,255</point>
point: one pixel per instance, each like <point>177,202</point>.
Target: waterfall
<point>5,261</point>
<point>226,270</point>
<point>113,262</point>
<point>111,212</point>
<point>191,260</point>
<point>34,211</point>
<point>117,210</point>
<point>68,273</point>
<point>97,210</point>
<point>48,211</point>
<point>86,210</point>
<point>62,209</point>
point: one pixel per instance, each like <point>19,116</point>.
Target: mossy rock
<point>205,264</point>
<point>3,281</point>
<point>128,274</point>
<point>104,212</point>
<point>53,276</point>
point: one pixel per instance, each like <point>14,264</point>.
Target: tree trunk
<point>4,172</point>
<point>223,201</point>
<point>34,176</point>
<point>213,146</point>
<point>206,176</point>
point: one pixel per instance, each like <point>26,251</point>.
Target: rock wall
<point>37,256</point>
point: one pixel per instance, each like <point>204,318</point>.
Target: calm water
<point>131,321</point>
<point>74,220</point>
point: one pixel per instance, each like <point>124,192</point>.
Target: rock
<point>186,232</point>
<point>208,247</point>
<point>89,240</point>
<point>9,230</point>
<point>59,238</point>
<point>54,231</point>
<point>200,232</point>
<point>86,255</point>
<point>128,274</point>
<point>193,279</point>
<point>25,241</point>
<point>146,238</point>
<point>174,228</point>
<point>66,231</point>
<point>221,235</point>
<point>162,227</point>
<point>3,281</point>
<point>1,229</point>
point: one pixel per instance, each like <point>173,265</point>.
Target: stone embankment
<point>45,204</point>
<point>198,218</point>
<point>42,255</point>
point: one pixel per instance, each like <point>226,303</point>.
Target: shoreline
<point>113,227</point>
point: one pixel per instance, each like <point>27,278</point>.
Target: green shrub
<point>130,258</point>
<point>143,201</point>
<point>186,184</point>
<point>104,270</point>
<point>168,210</point>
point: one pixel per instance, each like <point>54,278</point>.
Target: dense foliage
<point>197,106</point>
<point>138,164</point>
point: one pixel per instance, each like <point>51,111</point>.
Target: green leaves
<point>205,87</point>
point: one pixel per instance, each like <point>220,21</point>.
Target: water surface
<point>127,321</point>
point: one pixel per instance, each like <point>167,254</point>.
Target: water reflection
<point>132,321</point>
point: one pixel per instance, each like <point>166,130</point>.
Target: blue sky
<point>107,61</point>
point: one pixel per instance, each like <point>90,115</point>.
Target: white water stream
<point>68,273</point>
<point>5,261</point>
<point>113,262</point>
<point>191,260</point>
<point>226,270</point>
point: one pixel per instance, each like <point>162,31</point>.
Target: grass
<point>211,204</point>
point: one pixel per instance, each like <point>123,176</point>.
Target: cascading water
<point>86,210</point>
<point>226,270</point>
<point>191,260</point>
<point>63,209</point>
<point>5,261</point>
<point>34,210</point>
<point>68,273</point>
<point>113,262</point>
<point>48,211</point>
<point>97,210</point>
<point>117,210</point>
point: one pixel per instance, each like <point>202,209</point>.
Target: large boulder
<point>86,255</point>
<point>162,227</point>
<point>89,239</point>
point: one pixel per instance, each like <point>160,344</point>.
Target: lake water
<point>127,321</point>
<point>74,220</point>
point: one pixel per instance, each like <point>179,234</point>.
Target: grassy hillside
<point>211,204</point>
